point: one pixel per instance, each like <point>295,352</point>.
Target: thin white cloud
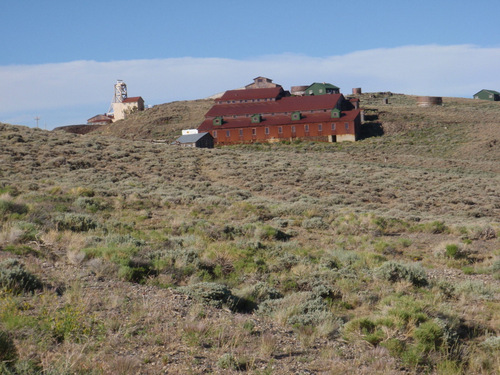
<point>68,93</point>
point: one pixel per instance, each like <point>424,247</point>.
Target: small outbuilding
<point>322,89</point>
<point>488,95</point>
<point>200,140</point>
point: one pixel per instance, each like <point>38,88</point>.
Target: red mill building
<point>271,115</point>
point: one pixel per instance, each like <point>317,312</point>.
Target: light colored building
<point>127,106</point>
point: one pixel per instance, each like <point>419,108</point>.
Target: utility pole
<point>37,118</point>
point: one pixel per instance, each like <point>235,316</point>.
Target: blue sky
<point>60,59</point>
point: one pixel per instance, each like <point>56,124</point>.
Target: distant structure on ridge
<point>119,96</point>
<point>487,95</point>
<point>121,106</point>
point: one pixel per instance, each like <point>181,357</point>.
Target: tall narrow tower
<point>120,94</point>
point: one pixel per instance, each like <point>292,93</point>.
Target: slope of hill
<point>164,121</point>
<point>375,257</point>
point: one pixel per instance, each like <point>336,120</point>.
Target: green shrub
<point>8,351</point>
<point>395,346</point>
<point>9,207</point>
<point>405,311</point>
<point>261,292</point>
<point>15,278</point>
<point>448,367</point>
<point>135,270</point>
<point>212,294</point>
<point>229,362</point>
<point>475,289</point>
<point>75,222</point>
<point>267,232</point>
<point>394,271</point>
<point>314,223</point>
<point>11,190</point>
<point>495,268</point>
<point>365,328</point>
<point>298,309</point>
<point>454,252</point>
<point>429,335</point>
<point>90,204</point>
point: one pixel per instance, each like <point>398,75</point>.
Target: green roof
<point>326,85</point>
<point>489,91</point>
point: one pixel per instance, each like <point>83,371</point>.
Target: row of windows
<point>281,113</point>
<point>248,100</point>
<point>280,130</point>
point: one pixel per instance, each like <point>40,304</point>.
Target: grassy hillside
<point>164,121</point>
<point>375,257</point>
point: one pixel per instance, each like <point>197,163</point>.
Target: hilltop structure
<point>272,114</point>
<point>127,106</point>
<point>488,95</point>
<point>121,105</point>
<point>262,83</point>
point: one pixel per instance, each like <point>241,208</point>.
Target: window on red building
<point>228,133</point>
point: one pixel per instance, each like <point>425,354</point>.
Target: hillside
<point>119,255</point>
<point>164,121</point>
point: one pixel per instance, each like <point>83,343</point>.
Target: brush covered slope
<point>375,257</point>
<point>162,122</point>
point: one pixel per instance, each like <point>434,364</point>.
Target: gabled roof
<point>191,138</point>
<point>489,92</point>
<point>286,104</point>
<point>133,99</point>
<point>276,120</point>
<point>238,95</point>
<point>325,85</point>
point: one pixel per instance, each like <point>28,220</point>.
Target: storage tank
<point>356,91</point>
<point>427,101</point>
<point>298,90</point>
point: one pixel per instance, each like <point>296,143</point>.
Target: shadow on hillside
<point>371,127</point>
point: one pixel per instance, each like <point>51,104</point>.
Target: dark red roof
<point>270,120</point>
<point>286,104</point>
<point>133,99</point>
<point>237,95</point>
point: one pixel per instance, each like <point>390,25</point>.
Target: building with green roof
<point>322,89</point>
<point>487,95</point>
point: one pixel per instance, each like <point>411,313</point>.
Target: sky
<point>59,60</point>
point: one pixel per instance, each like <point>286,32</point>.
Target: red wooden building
<point>270,115</point>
